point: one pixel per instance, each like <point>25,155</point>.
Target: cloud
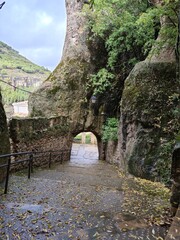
<point>50,55</point>
<point>34,28</point>
<point>44,19</point>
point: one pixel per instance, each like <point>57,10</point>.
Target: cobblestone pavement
<point>80,199</point>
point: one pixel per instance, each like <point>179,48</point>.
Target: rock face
<point>148,100</point>
<point>148,124</point>
<point>4,139</point>
<point>75,46</point>
<point>175,198</point>
<point>65,93</point>
<point>147,120</point>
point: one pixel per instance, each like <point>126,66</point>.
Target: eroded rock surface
<point>65,91</point>
<point>148,123</point>
<point>4,139</point>
<point>147,120</point>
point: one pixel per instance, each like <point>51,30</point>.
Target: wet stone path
<point>80,199</point>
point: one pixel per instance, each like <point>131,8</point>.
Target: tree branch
<point>2,4</point>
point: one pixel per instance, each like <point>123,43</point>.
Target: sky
<point>34,28</point>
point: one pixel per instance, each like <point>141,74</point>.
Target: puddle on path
<point>26,207</point>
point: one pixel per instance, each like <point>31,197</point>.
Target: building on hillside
<point>26,81</point>
<point>20,108</point>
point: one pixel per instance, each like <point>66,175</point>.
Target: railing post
<point>30,166</point>
<point>50,157</point>
<point>31,157</point>
<point>69,154</point>
<point>7,175</point>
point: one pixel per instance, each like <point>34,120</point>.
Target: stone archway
<point>85,138</point>
<point>96,138</point>
<point>65,92</point>
<point>84,149</point>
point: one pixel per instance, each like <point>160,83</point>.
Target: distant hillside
<point>10,59</point>
<point>18,71</point>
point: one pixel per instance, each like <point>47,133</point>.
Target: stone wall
<point>40,134</point>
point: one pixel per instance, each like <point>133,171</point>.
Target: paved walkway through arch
<point>81,199</point>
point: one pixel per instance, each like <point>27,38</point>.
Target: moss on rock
<point>148,120</point>
<point>65,91</point>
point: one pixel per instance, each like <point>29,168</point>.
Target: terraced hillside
<point>18,71</point>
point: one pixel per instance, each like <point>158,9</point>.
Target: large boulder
<point>148,111</point>
<point>148,124</point>
<point>66,92</point>
<point>63,93</point>
<point>4,139</point>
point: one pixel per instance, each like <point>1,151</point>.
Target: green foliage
<point>15,66</point>
<point>101,81</point>
<point>129,29</point>
<point>109,130</point>
<point>78,138</point>
<point>88,138</point>
<point>119,23</point>
<point>3,72</point>
<point>10,95</point>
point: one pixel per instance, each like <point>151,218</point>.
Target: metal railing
<point>30,158</point>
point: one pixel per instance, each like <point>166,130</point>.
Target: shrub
<point>109,130</point>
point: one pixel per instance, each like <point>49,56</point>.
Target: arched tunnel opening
<point>85,149</point>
